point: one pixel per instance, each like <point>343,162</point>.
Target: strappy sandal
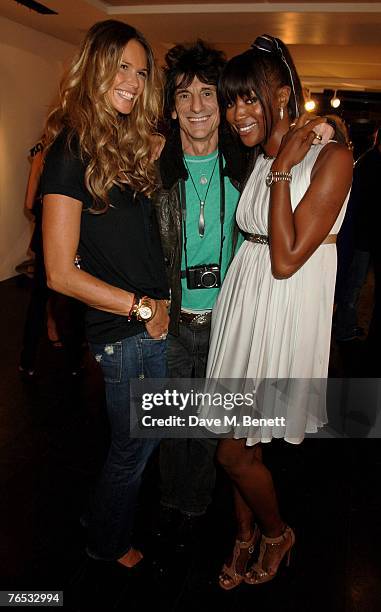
<point>284,543</point>
<point>229,577</point>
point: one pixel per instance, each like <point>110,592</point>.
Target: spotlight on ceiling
<point>310,105</point>
<point>335,101</point>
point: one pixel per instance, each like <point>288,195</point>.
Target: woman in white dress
<point>273,316</point>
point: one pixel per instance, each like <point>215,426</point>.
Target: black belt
<point>262,239</point>
<point>259,238</point>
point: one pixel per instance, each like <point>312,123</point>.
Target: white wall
<point>31,64</point>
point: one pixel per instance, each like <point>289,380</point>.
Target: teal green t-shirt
<point>206,249</point>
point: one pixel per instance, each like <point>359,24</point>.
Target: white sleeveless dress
<point>276,332</point>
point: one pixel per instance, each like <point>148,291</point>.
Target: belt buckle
<point>199,320</point>
<point>194,321</point>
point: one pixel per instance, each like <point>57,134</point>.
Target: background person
<point>62,316</point>
<point>36,312</point>
<point>365,249</point>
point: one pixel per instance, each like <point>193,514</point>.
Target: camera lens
<point>208,279</point>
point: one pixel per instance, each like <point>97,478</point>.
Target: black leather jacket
<point>168,207</point>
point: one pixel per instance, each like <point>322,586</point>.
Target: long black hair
<point>266,66</point>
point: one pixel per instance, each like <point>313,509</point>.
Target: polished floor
<point>53,436</point>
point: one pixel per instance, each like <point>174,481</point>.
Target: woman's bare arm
<point>294,236</point>
<point>61,229</point>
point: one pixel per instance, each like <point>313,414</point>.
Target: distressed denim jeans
<point>112,514</point>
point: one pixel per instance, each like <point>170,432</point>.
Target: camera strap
<point>222,214</point>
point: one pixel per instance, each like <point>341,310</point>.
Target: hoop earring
<point>281,113</point>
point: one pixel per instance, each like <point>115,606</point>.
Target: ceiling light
<point>335,101</point>
<point>310,105</point>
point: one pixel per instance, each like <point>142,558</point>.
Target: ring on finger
<point>293,124</point>
<point>318,137</point>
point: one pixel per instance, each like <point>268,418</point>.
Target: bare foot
<point>131,558</point>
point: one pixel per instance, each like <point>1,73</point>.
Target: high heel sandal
<point>285,542</point>
<point>229,577</point>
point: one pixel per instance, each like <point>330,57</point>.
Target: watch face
<point>269,179</point>
<point>145,312</point>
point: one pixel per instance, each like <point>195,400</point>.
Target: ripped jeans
<point>112,514</point>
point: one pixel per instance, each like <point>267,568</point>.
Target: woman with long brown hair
<point>102,246</point>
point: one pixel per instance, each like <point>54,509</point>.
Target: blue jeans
<point>112,514</point>
<point>187,467</point>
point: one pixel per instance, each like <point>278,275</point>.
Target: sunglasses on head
<point>270,44</point>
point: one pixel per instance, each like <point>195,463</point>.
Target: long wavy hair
<point>116,148</point>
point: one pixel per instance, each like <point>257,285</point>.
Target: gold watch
<point>144,310</point>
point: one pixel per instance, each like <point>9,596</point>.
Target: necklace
<point>201,218</point>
